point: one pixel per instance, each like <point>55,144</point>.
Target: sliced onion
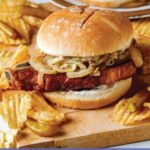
<point>40,78</point>
<point>96,72</point>
<point>78,63</point>
<point>59,68</point>
<point>74,67</point>
<point>52,60</point>
<point>40,67</point>
<point>81,73</point>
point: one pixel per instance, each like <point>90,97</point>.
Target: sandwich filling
<point>50,73</point>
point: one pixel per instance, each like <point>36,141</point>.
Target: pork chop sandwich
<point>86,62</point>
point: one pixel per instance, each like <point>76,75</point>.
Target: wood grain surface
<point>94,128</point>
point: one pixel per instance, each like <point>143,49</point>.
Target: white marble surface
<point>145,144</point>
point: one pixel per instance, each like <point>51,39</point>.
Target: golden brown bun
<point>80,31</point>
<point>109,3</point>
<point>92,99</point>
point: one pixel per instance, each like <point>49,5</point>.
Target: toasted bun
<point>92,99</point>
<point>83,32</point>
<point>107,3</point>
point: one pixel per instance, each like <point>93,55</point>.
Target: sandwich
<point>86,61</point>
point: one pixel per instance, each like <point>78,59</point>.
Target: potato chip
<point>18,108</point>
<point>17,19</point>
<point>5,39</point>
<point>42,129</point>
<point>33,21</point>
<point>11,8</point>
<point>14,108</point>
<point>42,112</point>
<point>5,55</point>
<point>8,30</point>
<point>127,111</point>
<point>141,28</point>
<point>20,26</point>
<point>8,139</point>
<point>11,12</point>
<point>141,33</point>
<point>12,3</point>
<point>20,56</point>
<point>4,83</point>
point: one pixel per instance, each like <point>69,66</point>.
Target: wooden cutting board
<point>90,129</point>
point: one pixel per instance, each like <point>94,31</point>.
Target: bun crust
<point>107,3</point>
<point>83,32</point>
<point>91,99</point>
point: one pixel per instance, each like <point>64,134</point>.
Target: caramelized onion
<point>64,67</point>
<point>37,65</point>
<point>40,78</point>
<point>74,67</point>
<point>81,73</point>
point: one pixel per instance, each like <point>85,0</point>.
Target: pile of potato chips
<point>19,109</point>
<point>134,109</point>
<point>18,21</point>
<point>141,34</point>
<point>137,108</point>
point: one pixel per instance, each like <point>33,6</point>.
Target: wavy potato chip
<point>19,25</point>
<point>11,8</point>
<point>42,112</point>
<point>42,129</point>
<point>11,59</point>
<point>21,55</point>
<point>5,55</point>
<point>141,28</point>
<point>141,33</point>
<point>11,12</point>
<point>14,108</point>
<point>8,30</point>
<point>4,83</point>
<point>5,39</point>
<point>8,139</point>
<point>33,21</point>
<point>18,21</point>
<point>133,109</point>
<point>12,3</point>
<point>20,108</point>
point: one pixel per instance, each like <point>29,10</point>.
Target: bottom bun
<point>90,99</point>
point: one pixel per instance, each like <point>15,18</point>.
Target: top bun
<point>84,32</point>
<point>108,3</point>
